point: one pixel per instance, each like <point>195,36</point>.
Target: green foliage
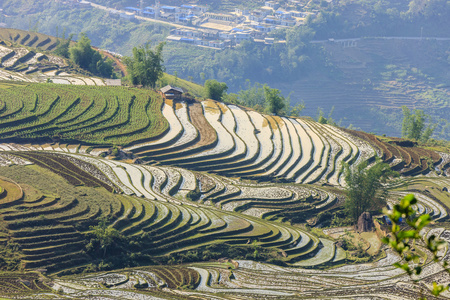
<point>63,47</point>
<point>195,194</point>
<point>328,120</point>
<point>256,97</point>
<point>10,256</point>
<point>83,55</point>
<point>275,102</point>
<point>115,151</point>
<point>403,240</point>
<point>145,67</point>
<point>294,111</point>
<point>365,188</point>
<point>104,236</point>
<point>413,125</point>
<point>215,90</point>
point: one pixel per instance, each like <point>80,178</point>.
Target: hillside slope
<point>171,178</point>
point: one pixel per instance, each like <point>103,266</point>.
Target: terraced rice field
<point>245,279</point>
<point>250,145</point>
<point>26,56</point>
<point>205,174</point>
<point>113,115</point>
<point>29,39</point>
<point>171,222</point>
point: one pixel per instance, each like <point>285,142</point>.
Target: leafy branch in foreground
<point>402,240</point>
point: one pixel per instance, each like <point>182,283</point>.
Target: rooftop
<point>169,87</point>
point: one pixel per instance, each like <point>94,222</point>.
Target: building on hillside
<point>284,15</point>
<point>272,4</point>
<point>184,18</point>
<point>221,17</point>
<point>288,22</point>
<point>186,32</point>
<point>170,9</point>
<point>241,12</point>
<point>133,10</point>
<point>296,14</point>
<point>210,34</point>
<point>242,36</point>
<point>171,92</point>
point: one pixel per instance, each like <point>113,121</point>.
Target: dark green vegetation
<point>145,67</point>
<point>113,115</point>
<point>367,190</point>
<point>275,102</point>
<point>89,59</point>
<point>215,90</point>
<point>413,126</point>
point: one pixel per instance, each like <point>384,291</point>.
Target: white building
<point>272,4</point>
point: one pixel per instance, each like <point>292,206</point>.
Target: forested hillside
<point>363,78</point>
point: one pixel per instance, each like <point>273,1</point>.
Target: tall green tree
<point>104,236</point>
<point>145,67</point>
<point>89,59</point>
<point>366,188</point>
<point>413,125</point>
<point>63,45</point>
<point>275,102</point>
<point>215,90</point>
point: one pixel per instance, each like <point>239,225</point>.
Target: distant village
<point>220,30</point>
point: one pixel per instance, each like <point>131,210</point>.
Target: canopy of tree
<point>365,188</point>
<point>275,101</point>
<point>215,90</point>
<point>413,126</point>
<point>89,59</point>
<point>263,98</point>
<point>145,67</point>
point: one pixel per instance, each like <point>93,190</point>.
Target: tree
<point>63,45</point>
<point>215,90</point>
<point>103,235</point>
<point>365,188</point>
<point>145,67</point>
<point>403,240</point>
<point>295,111</point>
<point>275,101</point>
<point>89,59</point>
<point>413,125</point>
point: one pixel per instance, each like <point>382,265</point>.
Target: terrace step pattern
<point>50,232</point>
<point>255,146</point>
<point>38,112</point>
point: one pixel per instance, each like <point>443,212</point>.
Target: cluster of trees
<point>215,90</point>
<point>366,189</point>
<point>145,66</point>
<point>260,97</point>
<point>413,125</point>
<point>85,56</point>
